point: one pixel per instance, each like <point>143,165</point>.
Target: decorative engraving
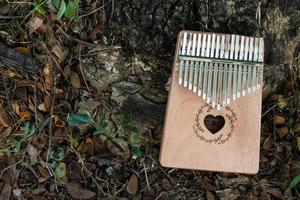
<point>220,138</point>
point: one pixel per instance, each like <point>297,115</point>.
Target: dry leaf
<point>23,50</point>
<point>298,143</point>
<point>58,122</point>
<point>275,192</point>
<point>4,8</point>
<point>279,119</point>
<point>32,152</point>
<point>75,80</point>
<point>44,174</point>
<point>6,192</point>
<point>283,131</point>
<point>119,148</point>
<point>25,115</point>
<point>42,107</point>
<point>132,185</point>
<point>210,196</point>
<point>9,74</point>
<point>34,24</point>
<point>78,192</point>
<point>60,51</point>
<point>268,143</point>
<point>47,102</point>
<point>296,128</point>
<point>4,118</point>
<point>5,133</point>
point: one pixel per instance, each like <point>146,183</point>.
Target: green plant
<point>16,144</point>
<point>295,181</point>
<point>69,9</point>
<point>101,129</point>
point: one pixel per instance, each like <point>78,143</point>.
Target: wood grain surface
<point>188,144</point>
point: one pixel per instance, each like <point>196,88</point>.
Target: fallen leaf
<point>296,128</point>
<point>77,192</point>
<point>23,50</point>
<point>35,23</point>
<point>132,185</point>
<point>47,102</point>
<point>6,192</point>
<point>25,115</point>
<point>42,107</point>
<point>210,196</point>
<point>58,122</point>
<point>44,174</point>
<point>4,8</point>
<point>275,192</point>
<point>32,152</point>
<point>279,120</point>
<point>119,147</point>
<point>5,133</point>
<point>283,131</point>
<point>9,74</point>
<point>75,80</point>
<point>268,143</point>
<point>298,143</point>
<point>4,117</point>
<point>61,170</point>
<point>60,51</point>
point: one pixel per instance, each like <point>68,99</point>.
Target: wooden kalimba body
<point>214,107</point>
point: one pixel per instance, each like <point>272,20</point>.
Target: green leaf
<point>16,145</point>
<point>79,119</point>
<point>109,170</point>
<point>40,9</point>
<point>71,10</point>
<point>101,127</point>
<point>126,122</point>
<point>135,137</point>
<point>55,3</point>
<point>61,10</point>
<point>136,152</point>
<point>295,181</point>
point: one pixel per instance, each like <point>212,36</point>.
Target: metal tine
<point>200,82</point>
<point>222,72</point>
<point>186,67</point>
<point>245,66</point>
<point>211,68</point>
<point>229,85</point>
<point>226,43</point>
<point>260,59</point>
<point>255,58</point>
<point>192,64</point>
<point>197,63</point>
<point>236,54</point>
<point>215,95</point>
<point>183,51</point>
<point>240,69</point>
<point>250,58</point>
<point>206,66</point>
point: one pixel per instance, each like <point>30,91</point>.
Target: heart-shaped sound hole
<point>214,124</point>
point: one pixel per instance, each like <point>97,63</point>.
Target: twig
<point>80,68</point>
<point>11,17</point>
<point>146,176</point>
<point>101,7</point>
<point>103,47</point>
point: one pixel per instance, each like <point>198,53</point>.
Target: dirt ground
<point>84,86</point>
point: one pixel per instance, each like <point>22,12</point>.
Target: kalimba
<point>214,107</point>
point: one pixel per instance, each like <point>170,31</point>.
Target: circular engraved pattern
<point>220,138</point>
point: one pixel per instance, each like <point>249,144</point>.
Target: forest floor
<point>84,86</point>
